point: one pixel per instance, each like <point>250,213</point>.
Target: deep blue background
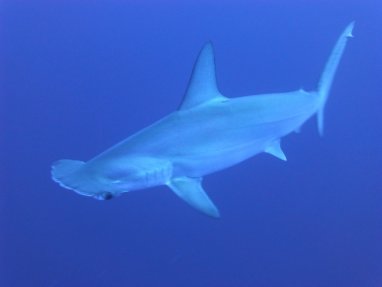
<point>78,76</point>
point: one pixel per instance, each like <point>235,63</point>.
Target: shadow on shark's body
<point>209,132</point>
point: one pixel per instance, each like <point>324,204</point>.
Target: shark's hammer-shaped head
<point>99,182</point>
<point>106,179</point>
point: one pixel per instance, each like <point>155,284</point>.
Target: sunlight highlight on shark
<point>209,132</point>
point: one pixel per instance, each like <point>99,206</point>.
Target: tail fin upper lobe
<point>327,76</point>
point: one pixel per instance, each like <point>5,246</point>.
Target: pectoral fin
<point>191,191</point>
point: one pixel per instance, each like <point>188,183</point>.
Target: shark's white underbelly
<point>211,139</point>
<point>212,156</point>
<point>203,164</point>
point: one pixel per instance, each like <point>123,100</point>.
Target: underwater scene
<point>190,143</point>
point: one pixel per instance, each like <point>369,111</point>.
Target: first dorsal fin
<point>202,86</point>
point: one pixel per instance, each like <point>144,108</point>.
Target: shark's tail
<point>327,76</point>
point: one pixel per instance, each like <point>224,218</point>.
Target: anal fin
<point>191,191</point>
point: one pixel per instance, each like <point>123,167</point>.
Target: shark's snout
<point>69,174</point>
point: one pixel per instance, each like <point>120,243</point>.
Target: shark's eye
<point>107,195</point>
<point>104,196</point>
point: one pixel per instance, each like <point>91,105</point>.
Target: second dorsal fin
<point>202,86</point>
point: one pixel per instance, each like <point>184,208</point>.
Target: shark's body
<point>208,133</point>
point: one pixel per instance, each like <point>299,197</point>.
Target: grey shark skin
<point>208,133</point>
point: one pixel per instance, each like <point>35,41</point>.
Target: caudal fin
<point>327,76</point>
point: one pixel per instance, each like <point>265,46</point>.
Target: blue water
<point>77,77</point>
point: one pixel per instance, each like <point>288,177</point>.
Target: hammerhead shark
<point>209,132</point>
